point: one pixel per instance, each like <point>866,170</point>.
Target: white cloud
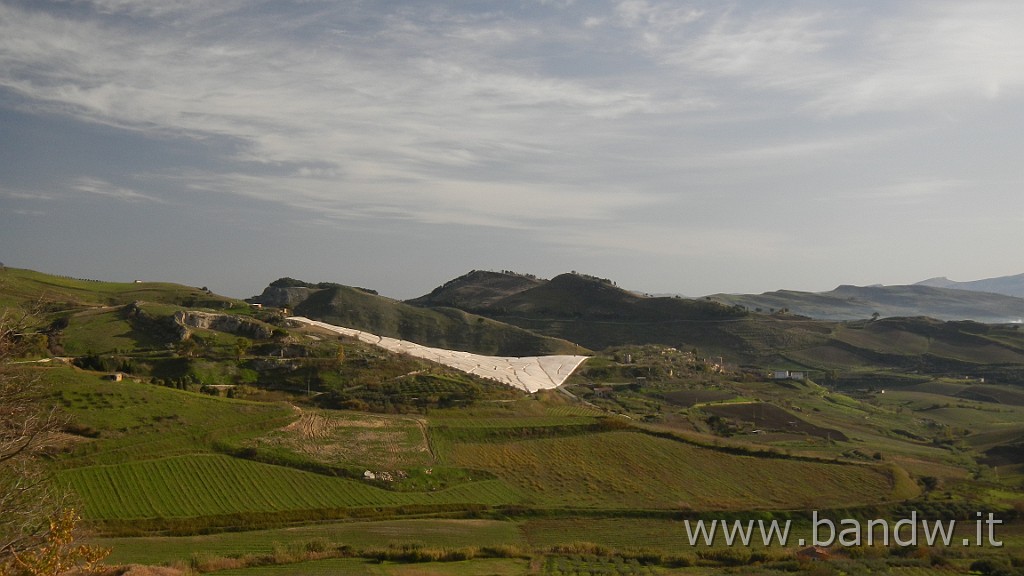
<point>97,187</point>
<point>160,8</point>
<point>914,192</point>
<point>27,212</point>
<point>35,195</point>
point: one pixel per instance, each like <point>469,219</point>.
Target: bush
<point>994,567</point>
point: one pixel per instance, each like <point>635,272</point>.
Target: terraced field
<point>764,415</point>
<point>132,421</point>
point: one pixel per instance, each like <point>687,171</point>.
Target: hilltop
<point>477,289</point>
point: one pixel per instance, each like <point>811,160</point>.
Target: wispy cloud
<point>846,61</point>
<point>105,189</point>
<point>356,118</point>
<point>914,191</point>
<point>35,195</point>
<point>28,212</point>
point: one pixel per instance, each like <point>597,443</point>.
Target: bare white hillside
<point>529,373</point>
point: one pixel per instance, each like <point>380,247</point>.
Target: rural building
<point>788,375</point>
<point>116,377</point>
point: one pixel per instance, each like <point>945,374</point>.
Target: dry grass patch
<point>361,439</point>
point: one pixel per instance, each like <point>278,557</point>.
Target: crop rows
<point>423,386</point>
<point>516,421</point>
<point>205,485</point>
<point>631,470</point>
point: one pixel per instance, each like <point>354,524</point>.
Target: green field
<point>127,421</point>
<point>167,460</point>
<point>450,533</point>
<point>210,485</point>
<point>633,470</point>
<point>362,567</point>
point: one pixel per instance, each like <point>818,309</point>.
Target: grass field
<point>377,441</point>
<point>213,484</point>
<point>132,421</point>
<point>548,546</point>
<point>27,286</point>
<point>633,470</point>
<point>361,567</point>
<point>363,534</point>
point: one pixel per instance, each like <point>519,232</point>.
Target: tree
<point>58,553</point>
<point>188,347</point>
<point>36,523</point>
<point>242,346</point>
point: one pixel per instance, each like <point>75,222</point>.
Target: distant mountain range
<point>993,301</point>
<point>498,294</point>
<point>917,327</point>
<point>856,302</point>
<point>1006,285</point>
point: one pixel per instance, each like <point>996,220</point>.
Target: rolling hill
<point>444,327</point>
<point>598,314</point>
<point>1006,285</point>
<point>858,302</point>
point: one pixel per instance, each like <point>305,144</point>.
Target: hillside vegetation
<point>448,328</point>
<point>597,314</point>
<point>193,417</point>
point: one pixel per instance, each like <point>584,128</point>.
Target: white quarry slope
<point>530,373</point>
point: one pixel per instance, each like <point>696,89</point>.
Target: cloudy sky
<point>674,147</point>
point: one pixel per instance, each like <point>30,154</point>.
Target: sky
<point>674,147</point>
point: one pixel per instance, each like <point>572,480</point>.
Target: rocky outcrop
<point>283,296</point>
<point>223,323</point>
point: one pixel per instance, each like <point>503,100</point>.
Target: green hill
<point>598,314</point>
<point>448,328</point>
<point>28,288</point>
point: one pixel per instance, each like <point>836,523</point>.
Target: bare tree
<point>27,425</point>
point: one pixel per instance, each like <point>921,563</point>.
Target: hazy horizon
<point>427,289</point>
